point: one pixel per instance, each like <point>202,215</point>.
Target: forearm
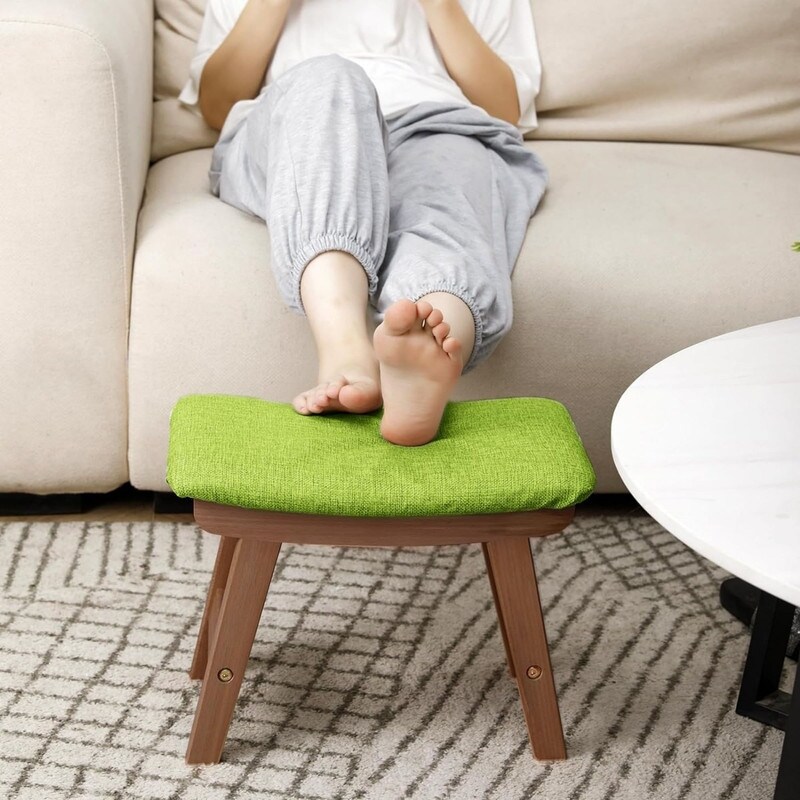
<point>484,78</point>
<point>235,71</point>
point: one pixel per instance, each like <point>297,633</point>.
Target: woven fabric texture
<point>490,456</point>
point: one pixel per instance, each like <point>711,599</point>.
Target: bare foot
<point>353,387</point>
<point>419,366</point>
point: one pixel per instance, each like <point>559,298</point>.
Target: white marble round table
<point>708,442</point>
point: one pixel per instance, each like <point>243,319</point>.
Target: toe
<point>434,318</point>
<point>335,386</point>
<point>400,316</point>
<point>440,331</point>
<point>424,309</point>
<point>299,404</point>
<point>452,347</point>
<point>311,402</point>
<point>321,396</point>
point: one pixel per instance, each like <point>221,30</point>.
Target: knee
<point>334,65</point>
<point>332,73</point>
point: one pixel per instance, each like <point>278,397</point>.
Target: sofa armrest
<point>78,82</point>
<point>76,105</point>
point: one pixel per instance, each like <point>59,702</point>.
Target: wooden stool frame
<point>250,541</point>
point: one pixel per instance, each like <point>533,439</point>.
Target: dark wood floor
<point>124,504</point>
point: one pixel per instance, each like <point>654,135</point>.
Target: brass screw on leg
<point>534,672</point>
<point>225,674</point>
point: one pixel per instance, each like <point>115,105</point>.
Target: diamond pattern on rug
<point>376,673</point>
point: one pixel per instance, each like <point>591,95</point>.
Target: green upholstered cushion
<point>490,456</point>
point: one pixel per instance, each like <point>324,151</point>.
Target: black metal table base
<point>759,696</point>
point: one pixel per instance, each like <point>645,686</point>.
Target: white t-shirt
<point>390,39</point>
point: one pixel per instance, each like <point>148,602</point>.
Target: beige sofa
<point>671,132</point>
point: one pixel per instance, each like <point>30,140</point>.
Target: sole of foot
<point>419,366</point>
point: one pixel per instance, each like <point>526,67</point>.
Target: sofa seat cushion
<point>635,251</point>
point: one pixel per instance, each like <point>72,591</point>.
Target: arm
<point>480,73</point>
<point>235,70</point>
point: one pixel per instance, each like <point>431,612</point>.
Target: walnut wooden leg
<point>216,588</point>
<point>246,589</point>
<point>497,607</point>
<point>518,596</point>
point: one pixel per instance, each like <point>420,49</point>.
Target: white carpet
<point>376,674</point>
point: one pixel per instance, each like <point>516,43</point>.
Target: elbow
<point>505,106</point>
<point>508,115</point>
<point>510,119</point>
<point>211,114</point>
<point>505,113</point>
<point>508,99</point>
<point>512,112</point>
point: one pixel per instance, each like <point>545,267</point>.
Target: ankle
<point>352,354</point>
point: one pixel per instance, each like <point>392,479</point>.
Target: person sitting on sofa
<point>382,145</point>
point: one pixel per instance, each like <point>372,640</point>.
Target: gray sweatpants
<point>434,198</point>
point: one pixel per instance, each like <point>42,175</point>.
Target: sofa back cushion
<point>175,127</point>
<point>712,72</point>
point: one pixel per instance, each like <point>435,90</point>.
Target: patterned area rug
<point>376,674</point>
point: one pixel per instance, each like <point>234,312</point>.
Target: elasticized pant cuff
<point>332,240</point>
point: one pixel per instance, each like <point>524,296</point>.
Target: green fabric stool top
<point>490,456</point>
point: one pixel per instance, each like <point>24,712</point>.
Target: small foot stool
<point>260,474</point>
